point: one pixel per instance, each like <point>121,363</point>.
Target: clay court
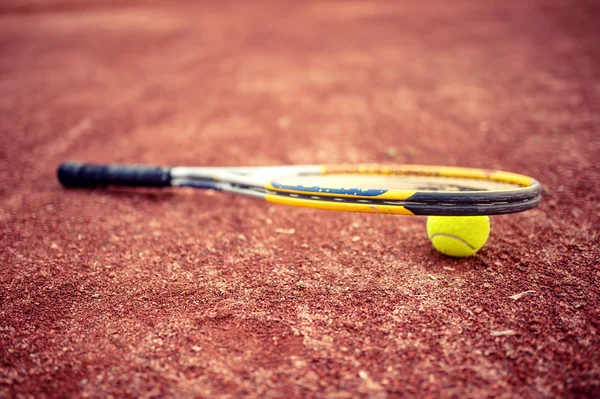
<point>115,292</point>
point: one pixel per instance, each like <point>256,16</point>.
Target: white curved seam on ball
<point>455,237</point>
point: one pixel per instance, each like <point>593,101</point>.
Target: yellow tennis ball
<point>458,235</point>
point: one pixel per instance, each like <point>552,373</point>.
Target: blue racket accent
<point>338,191</point>
<point>200,184</point>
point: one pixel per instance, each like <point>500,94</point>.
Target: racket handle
<point>75,174</point>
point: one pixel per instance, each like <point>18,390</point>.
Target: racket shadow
<point>137,193</point>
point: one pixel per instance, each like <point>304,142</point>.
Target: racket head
<point>407,189</point>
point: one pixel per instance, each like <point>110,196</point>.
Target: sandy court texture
<point>183,293</point>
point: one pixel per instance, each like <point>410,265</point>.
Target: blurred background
<point>210,83</point>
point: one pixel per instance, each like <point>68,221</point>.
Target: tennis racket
<point>373,188</point>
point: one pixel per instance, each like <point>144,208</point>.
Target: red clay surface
<point>195,294</point>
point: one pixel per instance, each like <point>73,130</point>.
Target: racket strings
<point>442,198</point>
<point>374,201</point>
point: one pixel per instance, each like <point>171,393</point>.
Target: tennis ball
<point>458,235</point>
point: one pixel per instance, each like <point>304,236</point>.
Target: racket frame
<point>268,182</point>
<point>262,182</point>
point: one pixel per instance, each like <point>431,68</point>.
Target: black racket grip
<point>75,174</point>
